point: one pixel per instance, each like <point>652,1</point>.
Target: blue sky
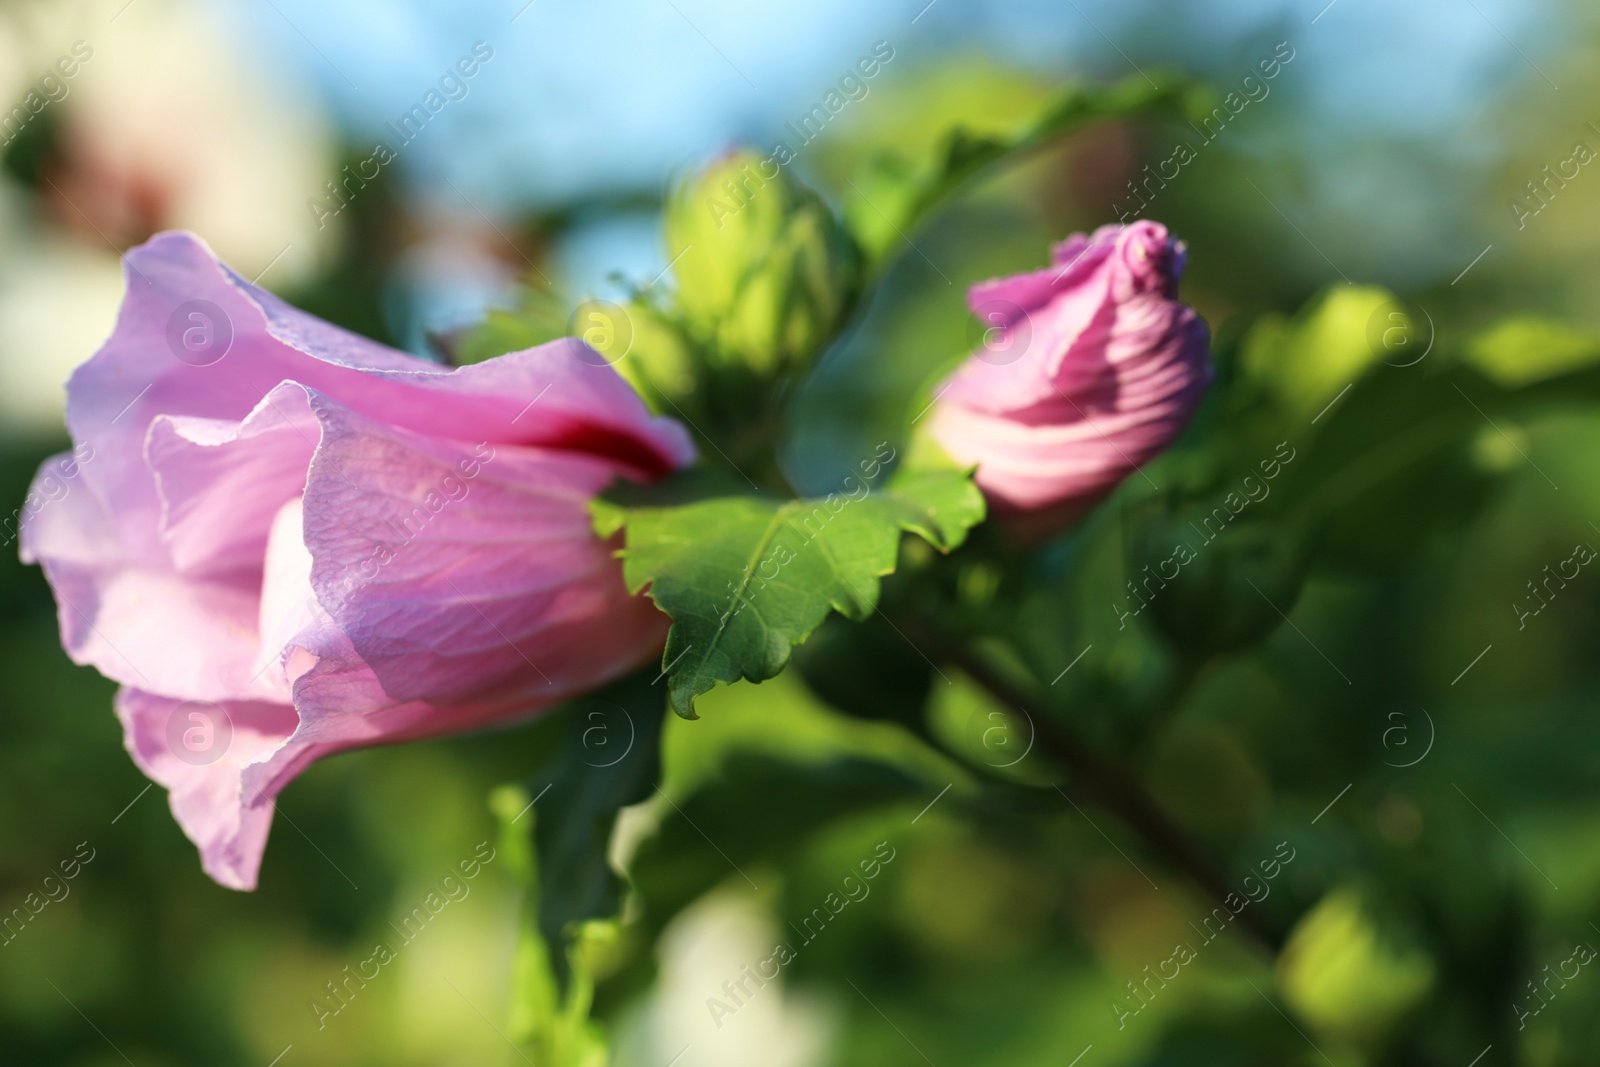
<point>620,92</point>
<point>618,95</point>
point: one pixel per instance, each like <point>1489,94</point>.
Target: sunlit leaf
<point>746,578</point>
<point>894,194</point>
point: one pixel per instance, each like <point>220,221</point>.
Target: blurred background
<point>1392,149</point>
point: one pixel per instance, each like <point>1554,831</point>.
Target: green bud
<point>1212,592</point>
<point>766,274</point>
<point>1346,975</point>
<point>642,345</point>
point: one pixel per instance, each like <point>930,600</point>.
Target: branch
<point>1119,792</point>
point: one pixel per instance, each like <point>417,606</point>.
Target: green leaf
<point>866,670</point>
<point>896,193</point>
<point>1522,350</point>
<point>1347,975</point>
<point>799,800</point>
<point>549,1013</point>
<point>556,835</point>
<point>1307,361</point>
<point>538,317</point>
<point>609,759</point>
<point>746,578</point>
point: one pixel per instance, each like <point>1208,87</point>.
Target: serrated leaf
<point>747,578</point>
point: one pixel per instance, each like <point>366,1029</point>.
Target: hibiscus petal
<point>198,751</point>
<point>459,572</point>
<point>243,464</point>
<point>195,339</point>
<point>222,482</point>
<point>288,605</point>
<point>1052,320</point>
<point>1079,447</point>
<point>139,625</point>
<point>1101,370</point>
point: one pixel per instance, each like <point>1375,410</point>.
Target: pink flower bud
<point>1087,369</point>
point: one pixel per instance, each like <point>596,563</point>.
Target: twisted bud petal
<point>1085,370</point>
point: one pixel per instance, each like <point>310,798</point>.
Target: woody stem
<point>1104,783</point>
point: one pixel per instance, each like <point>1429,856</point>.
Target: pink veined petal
<point>342,707</point>
<point>1030,466</point>
<point>460,571</point>
<point>1068,252</point>
<point>1147,259</point>
<point>198,752</point>
<point>221,482</point>
<point>288,605</point>
<point>561,394</point>
<point>241,342</point>
<point>190,636</point>
<point>137,625</point>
